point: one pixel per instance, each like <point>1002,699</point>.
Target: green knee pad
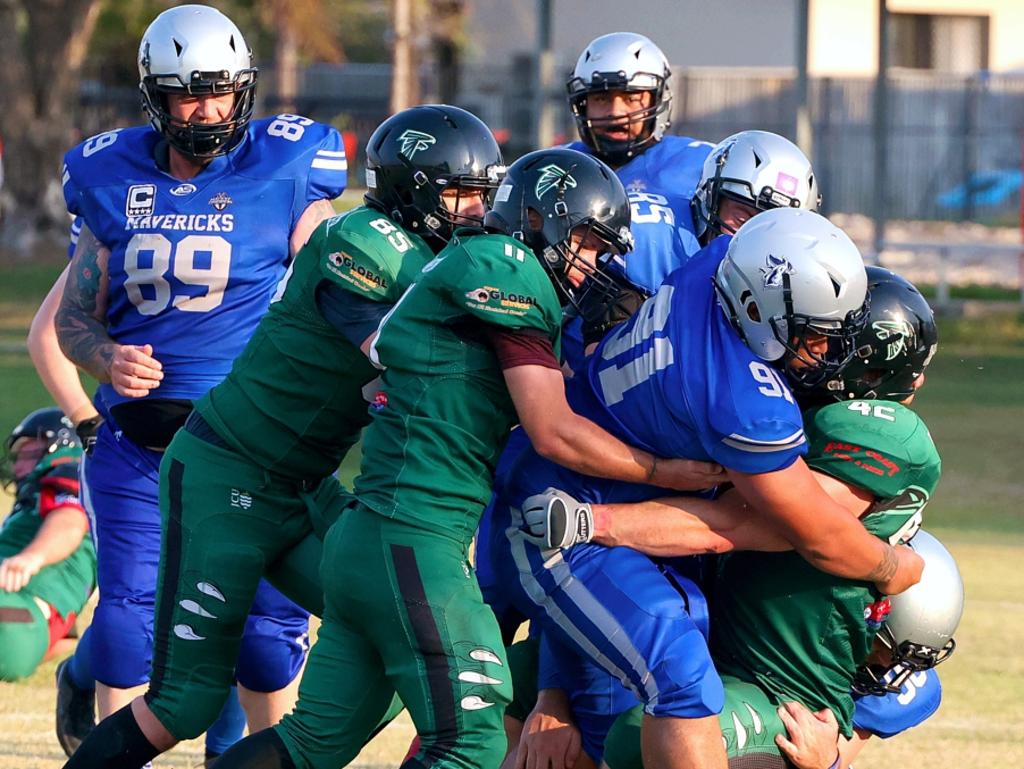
<point>24,636</point>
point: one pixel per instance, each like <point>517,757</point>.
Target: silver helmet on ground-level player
<point>790,282</point>
<point>918,632</point>
<point>196,50</point>
<point>757,168</point>
<point>554,200</point>
<point>621,61</point>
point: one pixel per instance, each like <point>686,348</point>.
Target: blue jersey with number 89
<point>677,380</point>
<point>194,263</point>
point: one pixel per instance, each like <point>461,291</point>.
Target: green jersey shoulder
<point>882,447</point>
<point>365,252</point>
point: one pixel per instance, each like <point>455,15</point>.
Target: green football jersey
<point>443,413</point>
<point>797,631</point>
<point>65,585</point>
<point>293,402</point>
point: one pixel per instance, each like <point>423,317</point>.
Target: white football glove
<point>554,520</point>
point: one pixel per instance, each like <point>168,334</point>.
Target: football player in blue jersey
<point>704,370</point>
<point>188,225</point>
<point>893,351</point>
<point>620,94</point>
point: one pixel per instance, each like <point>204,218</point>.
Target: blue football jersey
<point>677,380</point>
<point>887,716</point>
<point>194,263</point>
<point>660,183</point>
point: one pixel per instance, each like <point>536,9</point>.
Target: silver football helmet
<point>758,168</point>
<point>922,620</point>
<point>790,278</point>
<point>621,61</point>
<point>196,50</point>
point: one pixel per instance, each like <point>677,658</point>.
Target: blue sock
<point>228,728</point>
<point>80,664</point>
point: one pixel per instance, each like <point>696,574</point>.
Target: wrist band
<point>837,762</point>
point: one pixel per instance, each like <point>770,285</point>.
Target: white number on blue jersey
<point>99,142</point>
<point>214,278</point>
<point>649,207</point>
<point>650,319</point>
<point>395,236</point>
<point>873,410</point>
<point>770,381</point>
<point>910,687</point>
<point>290,127</point>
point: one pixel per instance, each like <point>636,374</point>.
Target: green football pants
<point>749,724</point>
<point>226,524</point>
<point>403,613</point>
<point>24,635</point>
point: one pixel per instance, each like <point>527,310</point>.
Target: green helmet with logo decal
<point>554,200</point>
<point>416,154</point>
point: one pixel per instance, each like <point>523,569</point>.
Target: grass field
<point>974,406</point>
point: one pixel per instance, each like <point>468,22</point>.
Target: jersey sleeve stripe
<point>330,153</point>
<point>331,165</point>
<point>743,443</point>
<point>66,176</point>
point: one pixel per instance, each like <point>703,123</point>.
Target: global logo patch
<point>552,176</point>
<point>414,141</point>
<point>183,189</point>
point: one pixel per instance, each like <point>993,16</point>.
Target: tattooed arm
<point>315,212</point>
<point>82,327</point>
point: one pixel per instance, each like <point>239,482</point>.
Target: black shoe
<point>76,711</point>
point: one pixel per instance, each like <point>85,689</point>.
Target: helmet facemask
<point>200,141</point>
<point>907,658</point>
<point>565,257</point>
<point>619,151</point>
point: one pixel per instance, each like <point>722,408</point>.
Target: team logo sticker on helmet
<point>897,334</point>
<point>415,141</point>
<point>776,267</point>
<point>552,176</point>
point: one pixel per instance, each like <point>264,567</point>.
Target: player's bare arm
<point>676,526</point>
<point>58,374</point>
<point>82,330</point>
<point>561,435</point>
<point>823,532</point>
<point>315,212</point>
<point>79,322</point>
<point>58,537</point>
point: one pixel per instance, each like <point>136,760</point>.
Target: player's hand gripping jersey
<point>443,412</point>
<point>293,402</point>
<point>194,263</point>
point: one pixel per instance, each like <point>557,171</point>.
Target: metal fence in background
<point>954,142</point>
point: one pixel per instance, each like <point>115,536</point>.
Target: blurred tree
<point>448,38</point>
<point>44,44</point>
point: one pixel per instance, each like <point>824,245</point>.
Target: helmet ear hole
<point>535,219</point>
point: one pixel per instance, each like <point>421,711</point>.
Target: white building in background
<point>942,35</point>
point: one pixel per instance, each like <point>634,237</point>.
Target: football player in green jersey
<point>47,559</point>
<point>469,350</point>
<point>246,488</point>
<point>772,643</point>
